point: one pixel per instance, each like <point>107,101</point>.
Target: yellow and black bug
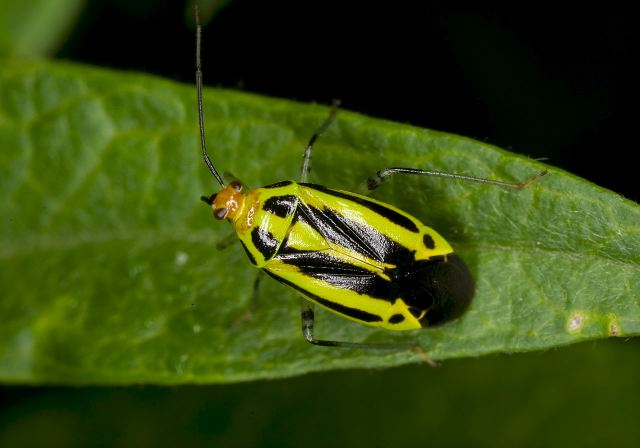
<point>358,257</point>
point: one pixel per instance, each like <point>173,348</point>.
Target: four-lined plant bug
<point>358,257</point>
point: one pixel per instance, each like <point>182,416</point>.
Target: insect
<point>358,257</point>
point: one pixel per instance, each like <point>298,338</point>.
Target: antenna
<point>207,160</point>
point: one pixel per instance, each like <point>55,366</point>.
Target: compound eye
<point>220,213</point>
<point>236,185</point>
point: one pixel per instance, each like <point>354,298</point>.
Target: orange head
<point>228,202</point>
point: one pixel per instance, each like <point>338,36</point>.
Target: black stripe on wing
<point>339,274</point>
<point>339,230</point>
<point>281,206</point>
<point>380,209</point>
<point>354,313</point>
<point>264,241</point>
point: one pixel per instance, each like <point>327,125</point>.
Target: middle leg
<point>306,159</point>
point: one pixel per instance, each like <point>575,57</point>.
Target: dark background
<point>548,80</point>
<point>542,79</point>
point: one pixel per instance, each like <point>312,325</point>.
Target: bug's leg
<point>382,175</point>
<point>248,314</point>
<point>308,318</point>
<point>306,159</point>
<point>227,241</point>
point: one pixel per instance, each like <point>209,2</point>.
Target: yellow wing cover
<point>363,259</point>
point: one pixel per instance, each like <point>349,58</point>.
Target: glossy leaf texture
<point>108,264</point>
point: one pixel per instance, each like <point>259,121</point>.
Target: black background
<point>547,80</point>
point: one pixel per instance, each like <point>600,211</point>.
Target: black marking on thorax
<point>380,209</point>
<point>264,241</point>
<point>281,206</point>
<point>284,183</point>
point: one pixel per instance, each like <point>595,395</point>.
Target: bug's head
<point>227,202</point>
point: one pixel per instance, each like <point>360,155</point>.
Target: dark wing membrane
<point>442,288</point>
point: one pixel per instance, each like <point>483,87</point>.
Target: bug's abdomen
<point>370,262</point>
<point>436,290</point>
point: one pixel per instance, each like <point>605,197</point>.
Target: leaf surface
<point>108,264</point>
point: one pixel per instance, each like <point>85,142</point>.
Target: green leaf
<point>108,264</point>
<point>35,27</point>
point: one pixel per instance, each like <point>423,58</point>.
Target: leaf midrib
<point>154,238</point>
